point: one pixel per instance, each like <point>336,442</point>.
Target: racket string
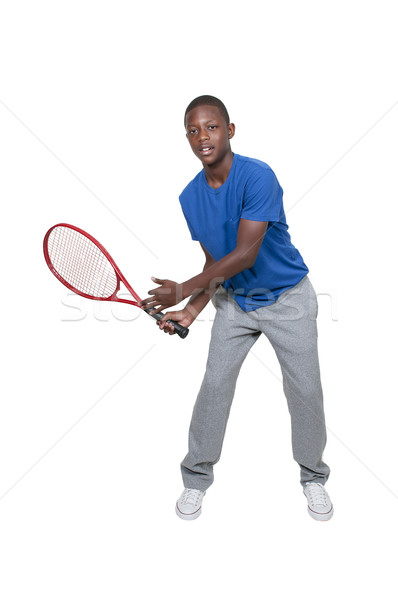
<point>81,263</point>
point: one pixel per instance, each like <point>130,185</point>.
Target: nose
<point>203,135</point>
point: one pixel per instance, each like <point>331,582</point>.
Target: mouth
<point>205,150</point>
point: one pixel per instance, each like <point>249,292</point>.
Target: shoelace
<point>191,497</point>
<point>317,494</point>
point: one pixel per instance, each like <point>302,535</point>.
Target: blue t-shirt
<point>252,192</point>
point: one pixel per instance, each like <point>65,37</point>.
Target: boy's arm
<point>196,303</point>
<point>249,239</point>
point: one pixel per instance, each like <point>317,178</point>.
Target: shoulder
<point>252,168</point>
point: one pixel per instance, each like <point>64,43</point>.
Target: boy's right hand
<point>184,317</point>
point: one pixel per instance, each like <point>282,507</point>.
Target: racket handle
<point>179,329</point>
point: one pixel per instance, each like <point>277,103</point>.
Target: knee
<point>306,391</point>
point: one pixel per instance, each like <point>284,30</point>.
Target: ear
<point>231,130</point>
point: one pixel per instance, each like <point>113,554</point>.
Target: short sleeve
<point>263,197</point>
<point>191,229</point>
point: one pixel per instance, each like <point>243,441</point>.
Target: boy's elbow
<point>247,261</point>
<point>250,263</point>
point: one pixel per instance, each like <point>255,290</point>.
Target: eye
<point>192,131</point>
<point>212,127</point>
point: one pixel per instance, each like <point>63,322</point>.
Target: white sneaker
<point>319,504</point>
<point>189,504</point>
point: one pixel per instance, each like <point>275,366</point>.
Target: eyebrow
<point>207,122</point>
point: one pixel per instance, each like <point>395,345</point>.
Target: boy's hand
<point>168,294</point>
<point>183,317</point>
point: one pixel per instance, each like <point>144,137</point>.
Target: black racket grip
<point>179,329</point>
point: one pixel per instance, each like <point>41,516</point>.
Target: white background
<point>95,402</point>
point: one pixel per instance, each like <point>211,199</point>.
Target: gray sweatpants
<point>290,326</point>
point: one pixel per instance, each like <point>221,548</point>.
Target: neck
<point>217,174</point>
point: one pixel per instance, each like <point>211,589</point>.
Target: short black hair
<point>208,101</point>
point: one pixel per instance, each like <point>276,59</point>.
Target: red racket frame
<point>181,331</point>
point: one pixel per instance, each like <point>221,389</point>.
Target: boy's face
<point>208,134</point>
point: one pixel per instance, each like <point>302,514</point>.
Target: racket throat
<point>127,294</point>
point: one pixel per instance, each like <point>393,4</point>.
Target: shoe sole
<point>321,516</point>
<point>188,517</point>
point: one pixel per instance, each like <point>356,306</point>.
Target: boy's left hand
<point>168,294</point>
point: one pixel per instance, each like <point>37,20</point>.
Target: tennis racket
<point>84,266</point>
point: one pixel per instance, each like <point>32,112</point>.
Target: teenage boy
<point>234,208</point>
